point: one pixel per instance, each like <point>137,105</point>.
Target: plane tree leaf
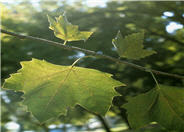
<point>65,30</point>
<point>131,46</point>
<point>76,116</point>
<point>49,90</point>
<point>164,105</point>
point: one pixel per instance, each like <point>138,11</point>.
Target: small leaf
<point>49,90</point>
<point>131,46</point>
<point>164,105</point>
<point>66,31</point>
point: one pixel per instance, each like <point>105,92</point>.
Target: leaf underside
<point>76,116</point>
<point>131,46</point>
<point>49,90</point>
<point>66,31</point>
<point>164,106</point>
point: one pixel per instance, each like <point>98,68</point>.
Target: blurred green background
<point>164,32</point>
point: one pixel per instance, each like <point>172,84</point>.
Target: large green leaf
<point>66,31</point>
<point>49,90</point>
<point>131,46</point>
<point>164,105</point>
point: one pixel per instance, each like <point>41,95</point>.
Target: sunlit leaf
<point>164,106</point>
<point>66,31</point>
<point>131,46</point>
<point>49,90</point>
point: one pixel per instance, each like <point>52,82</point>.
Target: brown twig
<point>92,53</point>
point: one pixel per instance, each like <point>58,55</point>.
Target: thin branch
<point>92,53</point>
<point>101,119</point>
<point>104,123</point>
<point>168,37</point>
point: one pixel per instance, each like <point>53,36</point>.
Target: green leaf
<point>49,90</point>
<point>76,116</point>
<point>164,106</point>
<point>131,46</point>
<point>66,31</point>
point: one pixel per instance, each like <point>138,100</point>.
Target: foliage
<point>49,90</point>
<point>129,17</point>
<point>163,104</point>
<point>76,116</point>
<point>131,46</point>
<point>65,30</point>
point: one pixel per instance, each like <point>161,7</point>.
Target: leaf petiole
<point>158,87</point>
<point>80,59</point>
<point>64,42</point>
